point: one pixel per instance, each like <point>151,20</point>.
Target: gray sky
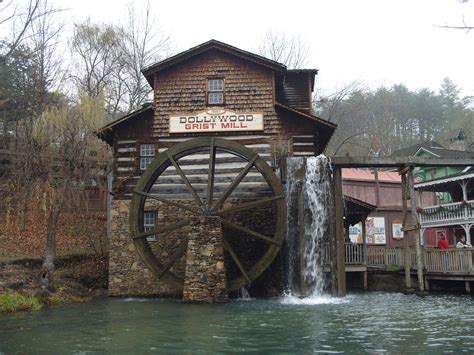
<point>374,41</point>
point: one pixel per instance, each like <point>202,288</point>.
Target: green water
<point>361,323</point>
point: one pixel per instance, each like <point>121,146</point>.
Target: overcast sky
<point>374,41</point>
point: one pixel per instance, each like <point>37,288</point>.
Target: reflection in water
<point>369,322</point>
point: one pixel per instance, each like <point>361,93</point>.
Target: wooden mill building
<point>211,90</point>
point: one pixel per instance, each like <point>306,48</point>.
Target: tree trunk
<point>52,221</point>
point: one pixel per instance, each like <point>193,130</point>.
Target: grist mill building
<point>248,112</point>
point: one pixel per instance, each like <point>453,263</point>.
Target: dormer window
<point>215,92</point>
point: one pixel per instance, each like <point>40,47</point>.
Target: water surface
<point>361,323</point>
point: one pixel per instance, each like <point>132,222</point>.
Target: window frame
<point>150,153</point>
<point>149,226</point>
<point>209,91</point>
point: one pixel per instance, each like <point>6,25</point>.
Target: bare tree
<point>99,52</point>
<point>21,20</point>
<point>110,58</point>
<point>143,43</point>
<point>289,50</point>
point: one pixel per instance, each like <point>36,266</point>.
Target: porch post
<point>416,232</point>
<point>340,235</point>
<point>364,246</point>
<point>406,241</point>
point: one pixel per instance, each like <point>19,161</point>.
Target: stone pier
<point>205,275</point>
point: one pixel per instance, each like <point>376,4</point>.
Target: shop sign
<point>216,121</point>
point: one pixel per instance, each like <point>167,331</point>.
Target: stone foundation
<point>205,276</point>
<point>128,276</point>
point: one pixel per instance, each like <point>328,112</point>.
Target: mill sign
<point>216,121</point>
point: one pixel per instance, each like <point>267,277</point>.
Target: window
<point>215,91</point>
<point>147,154</point>
<point>149,223</point>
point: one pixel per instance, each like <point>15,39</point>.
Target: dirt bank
<point>78,278</point>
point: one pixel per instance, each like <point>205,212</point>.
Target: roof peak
<point>206,46</point>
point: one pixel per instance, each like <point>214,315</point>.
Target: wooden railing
<point>452,212</point>
<point>449,260</point>
<point>383,256</point>
<point>354,253</point>
<point>434,260</point>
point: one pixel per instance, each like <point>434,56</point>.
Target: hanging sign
<point>397,232</point>
<point>216,120</point>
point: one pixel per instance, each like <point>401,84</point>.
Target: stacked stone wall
<point>129,276</point>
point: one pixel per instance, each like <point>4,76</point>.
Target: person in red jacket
<point>443,242</point>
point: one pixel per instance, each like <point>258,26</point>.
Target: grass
<point>15,302</point>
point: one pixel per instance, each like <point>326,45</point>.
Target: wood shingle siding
<point>180,90</point>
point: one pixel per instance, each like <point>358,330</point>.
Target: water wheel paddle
<point>211,204</point>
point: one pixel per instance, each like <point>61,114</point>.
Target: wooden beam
<point>185,179</point>
<point>236,260</point>
<point>250,205</point>
<point>160,230</point>
<point>165,201</point>
<point>406,241</point>
<point>250,232</point>
<point>416,233</point>
<point>397,162</point>
<point>339,220</point>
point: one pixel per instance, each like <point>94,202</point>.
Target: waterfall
<point>294,166</point>
<point>307,224</point>
<point>316,192</point>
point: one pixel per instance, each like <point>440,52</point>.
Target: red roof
<point>368,175</point>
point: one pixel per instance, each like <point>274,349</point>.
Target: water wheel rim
<point>161,163</point>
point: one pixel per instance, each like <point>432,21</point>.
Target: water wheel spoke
<point>164,229</point>
<point>250,205</point>
<point>249,231</point>
<point>211,172</point>
<point>236,182</point>
<point>179,253</point>
<point>184,178</point>
<point>165,201</point>
<point>236,259</point>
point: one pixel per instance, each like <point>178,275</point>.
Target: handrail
<point>453,260</point>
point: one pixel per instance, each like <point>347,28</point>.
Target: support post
<point>416,232</point>
<point>339,221</point>
<point>406,241</point>
<point>468,287</point>
<point>332,245</point>
<point>364,246</point>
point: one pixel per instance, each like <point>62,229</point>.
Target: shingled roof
<point>212,45</point>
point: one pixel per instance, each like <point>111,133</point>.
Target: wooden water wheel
<point>209,202</point>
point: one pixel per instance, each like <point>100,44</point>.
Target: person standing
<point>462,243</point>
<point>443,242</point>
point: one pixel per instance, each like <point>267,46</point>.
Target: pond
<point>366,322</point>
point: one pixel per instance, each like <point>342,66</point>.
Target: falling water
<point>316,192</point>
<point>244,294</point>
<point>312,180</point>
<point>294,166</point>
